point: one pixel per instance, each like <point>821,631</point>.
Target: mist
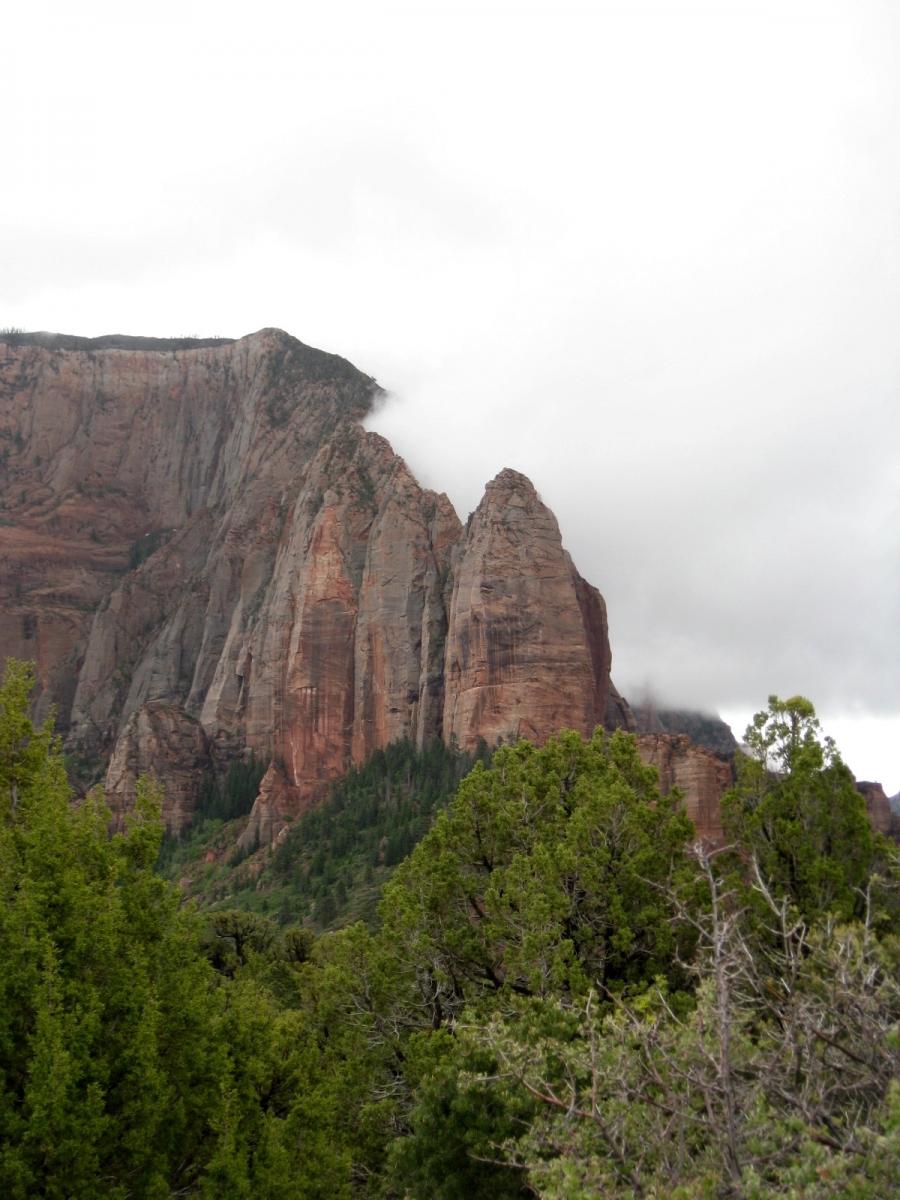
<point>647,253</point>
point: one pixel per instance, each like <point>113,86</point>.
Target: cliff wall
<point>207,554</point>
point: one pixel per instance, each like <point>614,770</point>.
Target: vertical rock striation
<point>527,644</point>
<point>207,555</point>
<point>701,776</point>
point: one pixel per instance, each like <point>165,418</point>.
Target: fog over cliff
<point>646,253</point>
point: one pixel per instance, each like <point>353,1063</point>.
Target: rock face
<point>702,776</point>
<point>275,806</point>
<point>107,453</point>
<point>878,806</point>
<point>704,729</point>
<point>528,645</point>
<point>207,554</point>
<point>161,737</point>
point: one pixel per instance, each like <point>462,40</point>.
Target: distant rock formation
<point>702,776</point>
<point>527,643</point>
<point>878,805</point>
<point>207,555</point>
<point>160,738</point>
<point>704,729</point>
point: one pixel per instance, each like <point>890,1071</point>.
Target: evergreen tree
<point>129,1067</point>
<point>109,1054</point>
<point>796,811</point>
<point>544,874</point>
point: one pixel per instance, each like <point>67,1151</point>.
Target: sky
<point>647,253</point>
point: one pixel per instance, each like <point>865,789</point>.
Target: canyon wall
<point>206,554</point>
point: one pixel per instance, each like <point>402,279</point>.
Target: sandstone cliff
<point>878,806</point>
<point>107,453</point>
<point>207,554</point>
<point>528,645</point>
<point>702,776</point>
<point>704,729</point>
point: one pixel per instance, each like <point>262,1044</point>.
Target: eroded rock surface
<point>207,555</point>
<point>702,776</point>
<point>878,806</point>
<point>111,454</point>
<point>527,645</point>
<point>160,740</point>
<point>275,807</point>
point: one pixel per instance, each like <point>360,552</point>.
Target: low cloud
<point>646,253</point>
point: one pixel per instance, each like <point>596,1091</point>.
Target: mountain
<point>704,729</point>
<point>208,556</point>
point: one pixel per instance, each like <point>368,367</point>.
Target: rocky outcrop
<point>527,643</point>
<point>160,740</point>
<point>704,729</point>
<point>208,555</point>
<point>702,777</point>
<point>878,806</point>
<point>343,654</point>
<point>106,454</point>
<point>275,807</point>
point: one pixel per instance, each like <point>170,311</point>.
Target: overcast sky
<point>648,253</point>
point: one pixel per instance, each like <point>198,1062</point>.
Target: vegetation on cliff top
<point>112,341</point>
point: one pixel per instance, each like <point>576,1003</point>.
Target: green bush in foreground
<point>128,1066</point>
<point>562,1000</point>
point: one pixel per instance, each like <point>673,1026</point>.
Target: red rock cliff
<point>527,645</point>
<point>207,554</point>
<point>701,776</point>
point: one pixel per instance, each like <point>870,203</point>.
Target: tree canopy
<point>562,999</point>
<point>796,810</point>
<point>544,873</point>
<point>129,1066</point>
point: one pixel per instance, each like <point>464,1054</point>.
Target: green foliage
<point>544,874</point>
<point>129,1067</point>
<point>24,750</point>
<point>219,803</point>
<point>329,868</point>
<point>456,1124</point>
<point>108,1046</point>
<point>234,796</point>
<point>374,816</point>
<point>795,809</point>
<point>756,1092</point>
<point>560,1001</point>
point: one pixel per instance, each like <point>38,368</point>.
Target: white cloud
<point>648,253</point>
